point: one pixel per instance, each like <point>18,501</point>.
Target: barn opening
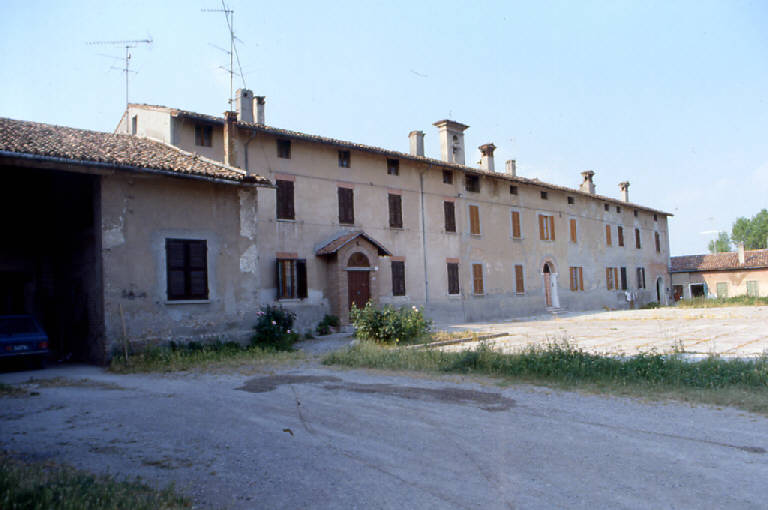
<point>50,259</point>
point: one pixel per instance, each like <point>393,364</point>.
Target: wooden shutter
<point>542,228</point>
<point>278,281</point>
<point>301,279</point>
<point>398,278</point>
<point>573,230</point>
<point>453,278</point>
<point>608,235</point>
<point>581,279</point>
<point>573,282</point>
<point>346,205</point>
<point>474,220</point>
<point>623,278</point>
<point>608,278</point>
<point>395,211</point>
<point>516,224</point>
<point>552,228</point>
<point>285,200</point>
<point>637,238</point>
<point>175,261</point>
<point>198,269</point>
<point>519,282</point>
<point>616,278</point>
<point>620,233</point>
<point>450,216</point>
<point>477,278</point>
<point>657,238</point>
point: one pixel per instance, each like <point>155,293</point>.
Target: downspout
<point>424,237</point>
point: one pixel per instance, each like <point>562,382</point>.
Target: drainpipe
<point>424,237</point>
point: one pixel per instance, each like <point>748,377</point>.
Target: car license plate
<point>20,347</point>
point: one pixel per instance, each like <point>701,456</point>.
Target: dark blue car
<point>22,335</point>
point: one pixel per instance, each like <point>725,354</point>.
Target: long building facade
<point>346,223</point>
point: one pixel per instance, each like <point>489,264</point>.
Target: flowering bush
<point>388,324</point>
<point>274,328</point>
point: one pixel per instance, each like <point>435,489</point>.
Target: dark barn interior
<point>50,264</point>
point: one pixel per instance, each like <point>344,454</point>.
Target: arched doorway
<point>660,294</point>
<point>550,285</point>
<point>358,280</point>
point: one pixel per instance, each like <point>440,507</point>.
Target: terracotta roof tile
<point>118,150</point>
<point>342,238</point>
<point>719,261</point>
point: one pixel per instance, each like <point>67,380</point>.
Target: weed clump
<point>389,324</point>
<point>324,327</point>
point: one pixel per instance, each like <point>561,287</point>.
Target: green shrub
<point>328,322</point>
<point>388,324</point>
<point>274,328</point>
<point>650,306</point>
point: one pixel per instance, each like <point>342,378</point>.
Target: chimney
<point>511,167</point>
<point>244,105</point>
<point>230,133</point>
<point>486,157</point>
<point>258,109</point>
<point>451,141</point>
<point>740,248</point>
<point>417,142</point>
<point>587,185</point>
<point>624,187</point>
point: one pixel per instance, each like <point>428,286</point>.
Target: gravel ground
<point>313,437</point>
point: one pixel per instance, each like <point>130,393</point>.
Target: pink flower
<point>273,323</point>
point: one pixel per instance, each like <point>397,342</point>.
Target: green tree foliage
<point>721,244</point>
<point>753,231</point>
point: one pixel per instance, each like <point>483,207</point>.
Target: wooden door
<point>548,289</point>
<point>359,288</point>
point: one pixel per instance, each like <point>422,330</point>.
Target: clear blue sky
<point>670,95</point>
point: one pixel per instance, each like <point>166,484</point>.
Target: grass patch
<point>737,383</point>
<point>215,355</point>
<point>45,485</point>
<point>719,302</point>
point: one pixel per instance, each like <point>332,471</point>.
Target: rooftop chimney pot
<point>230,133</point>
<point>258,109</point>
<point>417,143</point>
<point>486,157</point>
<point>451,140</point>
<point>740,248</point>
<point>624,187</point>
<point>511,167</point>
<point>587,185</point>
<point>244,105</point>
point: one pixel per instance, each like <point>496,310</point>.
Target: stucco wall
<point>736,280</point>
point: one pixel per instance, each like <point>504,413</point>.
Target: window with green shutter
<point>722,289</point>
<point>752,289</point>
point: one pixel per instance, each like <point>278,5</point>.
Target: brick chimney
<point>624,187</point>
<point>451,141</point>
<point>258,109</point>
<point>587,185</point>
<point>510,167</point>
<point>486,157</point>
<point>417,142</point>
<point>740,248</point>
<point>230,133</point>
<point>244,105</point>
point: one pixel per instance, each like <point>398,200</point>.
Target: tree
<point>721,244</point>
<point>753,232</point>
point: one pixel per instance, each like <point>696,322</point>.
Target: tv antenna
<point>128,44</point>
<point>229,15</point>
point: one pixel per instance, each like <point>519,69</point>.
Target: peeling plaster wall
<point>736,280</point>
<point>138,214</point>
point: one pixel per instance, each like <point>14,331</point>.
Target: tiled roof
<point>719,261</point>
<point>46,141</point>
<point>262,128</point>
<point>334,245</point>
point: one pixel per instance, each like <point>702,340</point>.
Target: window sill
<point>290,300</point>
<point>187,301</point>
<point>476,236</point>
<point>517,238</point>
<point>454,296</point>
<point>478,295</point>
<point>396,228</point>
<point>449,232</point>
<point>285,220</point>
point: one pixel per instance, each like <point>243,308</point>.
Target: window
<point>472,183</point>
<point>450,216</point>
<point>655,217</point>
<point>474,220</point>
<point>203,135</point>
<point>284,149</point>
<point>344,159</point>
<point>284,201</point>
<point>572,224</point>
<point>577,279</point>
<point>134,124</point>
<point>571,201</point>
<point>607,235</point>
<point>395,211</point>
<point>611,278</point>
<point>620,232</point>
<point>635,213</point>
<point>477,279</point>
<point>543,195</point>
<point>513,190</point>
<point>393,166</point>
<point>453,278</point>
<point>291,278</point>
<point>722,290</point>
<point>618,209</point>
<point>623,278</point>
<point>606,207</point>
<point>546,228</point>
<point>657,239</point>
<point>346,205</point>
<point>752,289</point>
<point>637,238</point>
<point>448,176</point>
<point>640,277</point>
<point>187,269</point>
<point>398,278</point>
<point>519,279</point>
<point>516,232</point>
